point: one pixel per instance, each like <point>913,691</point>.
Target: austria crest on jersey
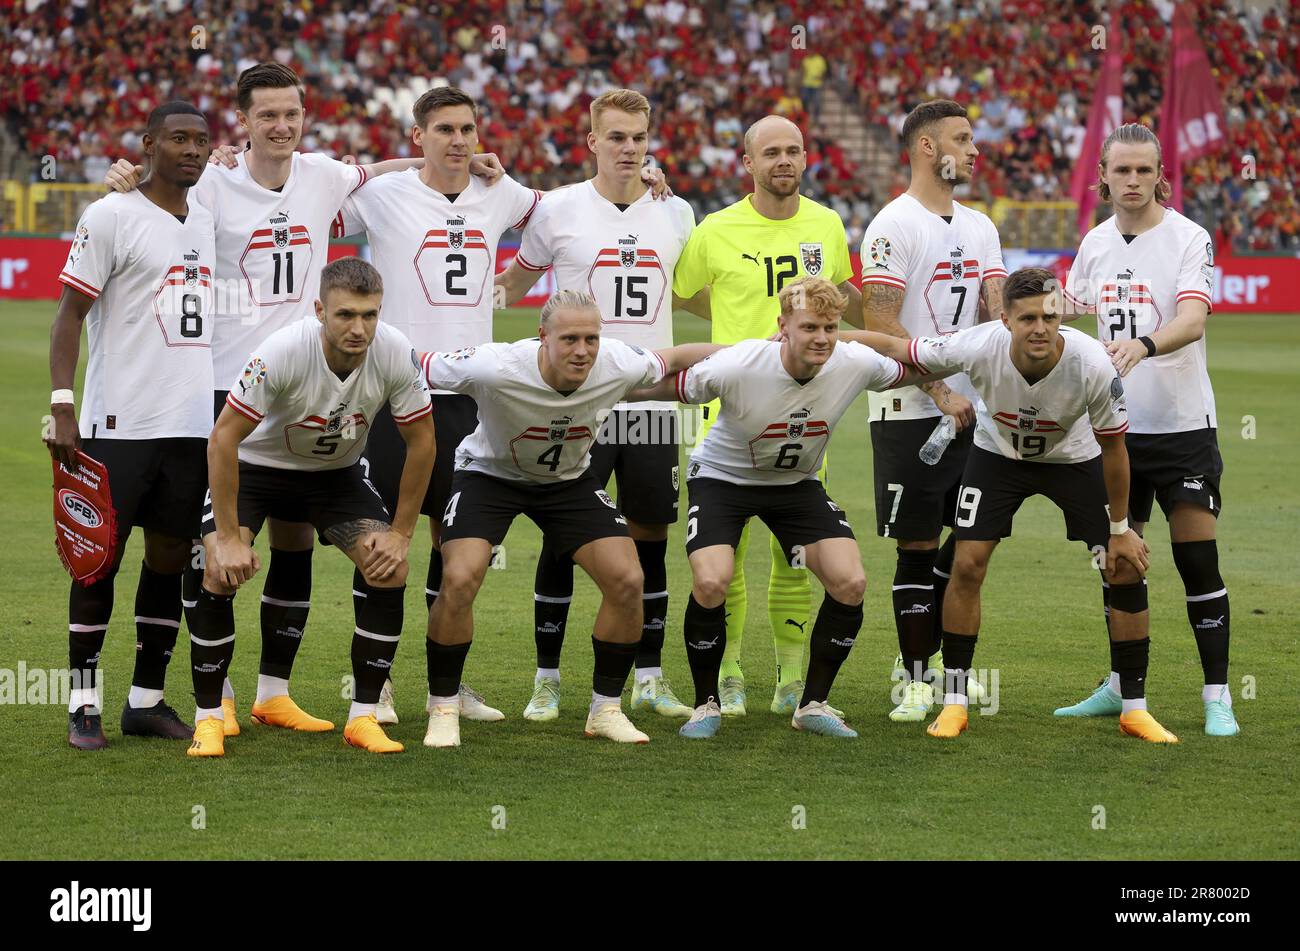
<point>957,263</point>
<point>85,525</point>
<point>559,429</point>
<point>795,427</point>
<point>456,233</point>
<point>627,251</point>
<point>811,253</point>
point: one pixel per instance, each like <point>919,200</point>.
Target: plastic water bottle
<point>934,447</point>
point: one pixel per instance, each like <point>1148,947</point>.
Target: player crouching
<point>779,403</point>
<point>1042,386</point>
<point>287,445</point>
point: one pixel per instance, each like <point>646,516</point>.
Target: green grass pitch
<point>1020,784</point>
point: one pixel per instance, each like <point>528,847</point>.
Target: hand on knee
<point>395,580</point>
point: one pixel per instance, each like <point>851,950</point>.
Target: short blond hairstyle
<point>624,100</point>
<point>814,294</point>
<point>567,299</point>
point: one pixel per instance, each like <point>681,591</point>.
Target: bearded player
<point>928,262</point>
<point>745,254</point>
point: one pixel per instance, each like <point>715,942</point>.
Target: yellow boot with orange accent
<point>231,716</point>
<point>1143,725</point>
<point>209,738</point>
<point>950,723</point>
<point>281,711</point>
<point>365,733</point>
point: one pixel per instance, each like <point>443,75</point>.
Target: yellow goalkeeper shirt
<point>748,258</point>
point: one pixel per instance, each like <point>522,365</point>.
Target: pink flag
<point>1103,118</point>
<point>1191,115</point>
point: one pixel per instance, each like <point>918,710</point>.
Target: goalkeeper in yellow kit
<point>746,253</point>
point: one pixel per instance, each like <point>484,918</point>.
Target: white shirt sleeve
<point>461,371</point>
<point>639,367</point>
<point>941,354</point>
<point>523,201</point>
<point>92,258</point>
<point>879,372</point>
<point>351,219</point>
<point>535,247</point>
<point>1196,271</point>
<point>703,382</point>
<point>993,265</point>
<point>408,396</point>
<point>886,253</point>
<point>1106,404</point>
<point>269,370</point>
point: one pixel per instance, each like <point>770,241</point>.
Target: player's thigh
<point>481,507</point>
<point>262,491</point>
<point>132,466</point>
<point>647,470</point>
<point>346,509</point>
<point>612,564</point>
<point>914,501</point>
<point>574,513</point>
<point>837,563</point>
<point>1078,489</point>
<point>991,491</point>
<point>800,515</point>
<point>454,417</point>
<point>1184,471</point>
<point>290,536</point>
<point>716,514</point>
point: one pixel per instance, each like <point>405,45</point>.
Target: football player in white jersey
<point>1147,272</point>
<point>780,402</point>
<point>1052,423</point>
<point>288,444</point>
<point>274,209</point>
<point>928,262</point>
<point>610,238</point>
<point>139,275</point>
<point>540,404</point>
<point>433,235</point>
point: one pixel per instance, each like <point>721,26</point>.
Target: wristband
<point>60,396</point>
<point>1150,345</point>
<point>1120,527</point>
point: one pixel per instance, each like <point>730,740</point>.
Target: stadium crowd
<point>83,74</point>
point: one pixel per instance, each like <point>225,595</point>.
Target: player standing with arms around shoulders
<point>139,274</point>
<point>609,237</point>
<point>1042,386</point>
<point>433,235</point>
<point>288,444</point>
<point>779,404</point>
<point>540,404</point>
<point>928,262</point>
<point>273,210</point>
<point>1147,272</point>
<point>745,254</point>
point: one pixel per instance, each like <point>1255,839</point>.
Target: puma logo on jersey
<point>752,257</point>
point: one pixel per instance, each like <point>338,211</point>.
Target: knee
<point>710,588</point>
<point>849,589</point>
<point>969,569</point>
<point>167,556</point>
<point>626,585</point>
<point>395,580</point>
<point>460,585</point>
<point>1128,592</point>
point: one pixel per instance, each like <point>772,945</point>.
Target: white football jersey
<point>940,266</point>
<point>624,259</point>
<point>771,429</point>
<point>437,257</point>
<point>307,417</point>
<point>150,329</point>
<point>1052,420</point>
<point>271,248</point>
<point>527,431</point>
<point>1135,288</point>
